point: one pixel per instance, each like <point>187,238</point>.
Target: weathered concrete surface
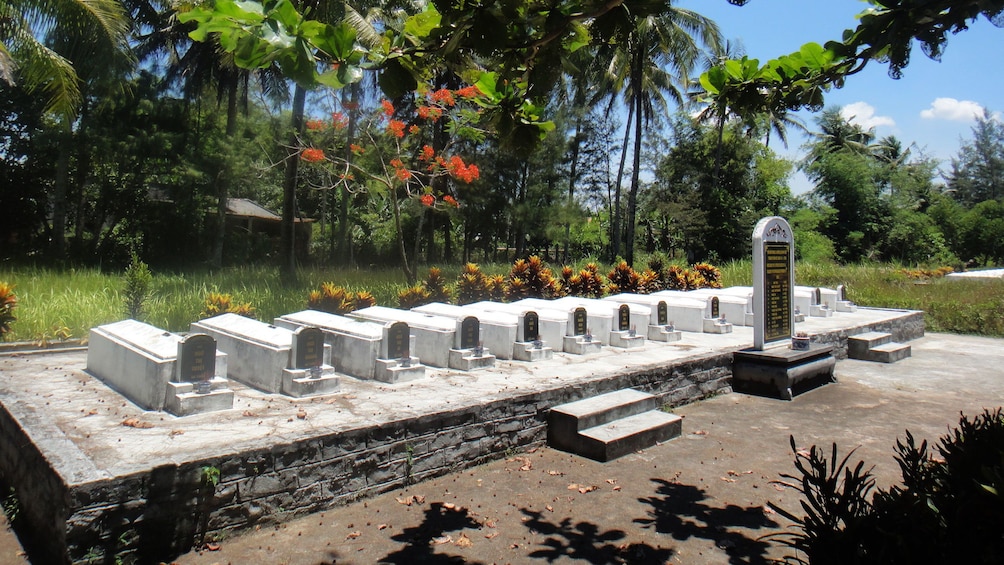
<point>698,499</point>
<point>279,456</point>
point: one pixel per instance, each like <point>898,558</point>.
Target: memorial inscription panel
<point>777,291</point>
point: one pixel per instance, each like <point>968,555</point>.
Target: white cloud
<point>952,109</point>
<point>863,114</point>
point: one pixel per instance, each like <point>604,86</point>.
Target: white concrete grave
<point>273,359</point>
<point>550,324</point>
<point>500,331</point>
<point>579,337</point>
<point>660,326</point>
<point>844,305</point>
<point>735,306</point>
<point>366,350</point>
<point>713,321</point>
<point>822,301</point>
<point>159,370</point>
<point>439,341</point>
<point>625,319</point>
<point>745,293</point>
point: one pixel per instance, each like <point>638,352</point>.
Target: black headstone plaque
<point>623,318</point>
<point>777,291</point>
<point>662,311</point>
<point>309,347</point>
<point>716,309</point>
<point>398,341</point>
<point>470,332</point>
<point>530,326</point>
<point>196,358</point>
<point>579,326</point>
<point>817,296</point>
<point>841,293</point>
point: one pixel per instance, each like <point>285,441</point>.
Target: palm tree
<point>54,48</point>
<point>28,56</point>
<point>652,57</point>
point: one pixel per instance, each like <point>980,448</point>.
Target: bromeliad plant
<point>8,301</point>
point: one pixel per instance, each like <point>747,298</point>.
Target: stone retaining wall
<point>157,514</point>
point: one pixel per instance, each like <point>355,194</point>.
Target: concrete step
<point>626,435</point>
<point>889,352</point>
<point>859,345</point>
<point>610,425</point>
<point>597,410</point>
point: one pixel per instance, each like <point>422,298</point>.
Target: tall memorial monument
<point>773,281</point>
<point>772,367</point>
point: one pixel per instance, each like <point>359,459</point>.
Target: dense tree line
<point>122,134</point>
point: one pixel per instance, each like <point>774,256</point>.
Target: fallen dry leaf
<point>618,487</point>
<point>573,486</point>
<point>249,414</point>
<point>728,480</point>
<point>442,540</point>
<point>381,526</point>
<point>92,412</point>
<point>449,505</point>
<point>768,510</point>
<point>556,473</point>
<point>700,433</point>
<point>584,490</point>
<point>491,535</point>
<point>212,546</point>
<point>136,423</point>
<point>611,481</point>
<point>354,535</point>
<point>463,541</point>
<point>176,433</point>
<point>404,501</point>
<point>549,508</point>
<point>490,523</point>
<point>419,499</point>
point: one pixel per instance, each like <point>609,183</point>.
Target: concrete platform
<point>104,477</point>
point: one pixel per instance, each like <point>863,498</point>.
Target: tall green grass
<point>70,302</point>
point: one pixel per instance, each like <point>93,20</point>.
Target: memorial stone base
<point>527,351</point>
<point>393,371</point>
<point>717,326</point>
<point>578,345</point>
<point>660,333</point>
<point>470,360</point>
<point>820,311</point>
<point>299,383</point>
<point>846,306</point>
<point>781,372</point>
<point>183,400</point>
<point>626,340</point>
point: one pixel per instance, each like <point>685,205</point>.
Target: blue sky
<point>931,105</point>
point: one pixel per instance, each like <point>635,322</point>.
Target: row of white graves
<point>302,354</point>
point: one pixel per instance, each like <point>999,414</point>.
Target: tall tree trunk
<point>447,239</point>
<point>350,101</point>
<point>224,174</point>
<point>60,186</point>
<point>572,178</point>
<point>615,223</point>
<point>288,240</point>
<point>629,224</point>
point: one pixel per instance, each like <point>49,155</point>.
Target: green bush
<point>949,508</point>
<point>137,286</point>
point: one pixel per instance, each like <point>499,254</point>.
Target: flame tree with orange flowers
<point>407,160</point>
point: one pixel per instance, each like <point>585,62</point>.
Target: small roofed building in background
<point>259,229</point>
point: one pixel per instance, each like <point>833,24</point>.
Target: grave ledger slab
<point>160,370</point>
<point>439,341</point>
<point>273,359</point>
<point>366,350</point>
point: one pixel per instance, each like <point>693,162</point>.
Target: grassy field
<point>66,304</point>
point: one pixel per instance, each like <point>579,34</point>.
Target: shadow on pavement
<point>437,523</point>
<point>584,541</point>
<point>682,511</point>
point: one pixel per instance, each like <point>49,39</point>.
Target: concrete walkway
<point>699,499</point>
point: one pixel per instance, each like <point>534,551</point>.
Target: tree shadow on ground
<point>438,521</point>
<point>682,512</point>
<point>583,541</point>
